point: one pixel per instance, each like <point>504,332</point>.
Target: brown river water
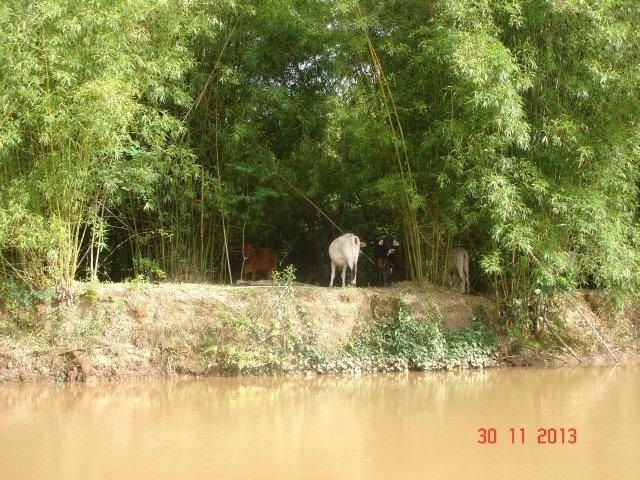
<point>395,426</point>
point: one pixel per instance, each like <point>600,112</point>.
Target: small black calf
<point>385,252</point>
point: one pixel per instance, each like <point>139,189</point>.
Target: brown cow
<point>259,261</point>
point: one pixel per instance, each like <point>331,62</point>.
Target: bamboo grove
<point>148,136</point>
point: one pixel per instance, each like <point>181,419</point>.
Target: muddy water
<point>372,427</point>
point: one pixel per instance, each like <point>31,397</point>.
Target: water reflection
<point>374,426</point>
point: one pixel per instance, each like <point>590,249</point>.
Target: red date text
<point>518,436</point>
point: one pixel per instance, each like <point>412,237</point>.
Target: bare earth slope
<point>147,330</point>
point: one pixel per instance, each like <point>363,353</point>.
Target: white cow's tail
<point>355,250</point>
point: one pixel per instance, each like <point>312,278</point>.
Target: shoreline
<point>151,331</point>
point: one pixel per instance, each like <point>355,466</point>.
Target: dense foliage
<point>154,137</point>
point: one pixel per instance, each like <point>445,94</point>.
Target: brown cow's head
<point>248,249</point>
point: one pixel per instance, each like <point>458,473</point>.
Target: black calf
<point>385,256</point>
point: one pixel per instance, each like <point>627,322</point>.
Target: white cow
<point>344,252</point>
<point>458,266</point>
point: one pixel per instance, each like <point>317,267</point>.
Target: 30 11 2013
<point>519,436</point>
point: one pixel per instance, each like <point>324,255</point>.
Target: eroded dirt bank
<point>143,330</point>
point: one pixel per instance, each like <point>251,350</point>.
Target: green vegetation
<point>284,342</point>
<point>272,337</point>
<point>402,342</point>
<point>143,139</point>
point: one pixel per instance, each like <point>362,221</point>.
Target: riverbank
<point>132,331</point>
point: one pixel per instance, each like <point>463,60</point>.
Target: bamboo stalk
<point>224,228</point>
<point>410,224</point>
<point>213,70</point>
<point>202,259</point>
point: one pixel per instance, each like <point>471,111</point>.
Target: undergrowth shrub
<point>403,342</point>
<point>286,342</point>
<point>275,336</point>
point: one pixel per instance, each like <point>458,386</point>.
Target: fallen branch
<point>594,329</point>
<point>552,330</point>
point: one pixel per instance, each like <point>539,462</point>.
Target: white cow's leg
<point>462,282</point>
<point>344,274</point>
<point>333,273</point>
<point>466,276</point>
<point>354,270</point>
